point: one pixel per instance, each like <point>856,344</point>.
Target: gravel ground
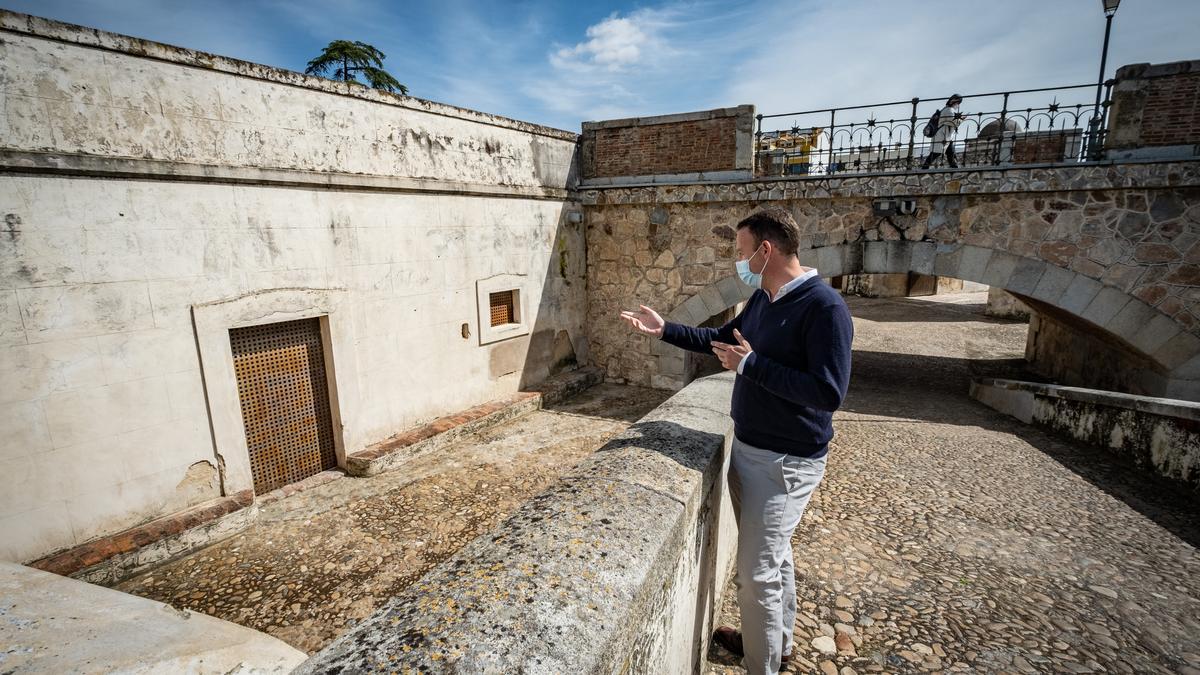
<point>946,536</point>
<point>316,563</point>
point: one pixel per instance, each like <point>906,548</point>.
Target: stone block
<point>974,263</point>
<point>875,257</point>
<point>921,257</point>
<point>1000,269</point>
<point>1025,276</point>
<point>1107,303</point>
<point>714,303</point>
<point>1156,333</point>
<point>899,256</point>
<point>947,260</point>
<point>1177,350</point>
<point>1131,319</point>
<point>1079,294</point>
<point>1053,284</point>
<point>831,261</point>
<point>733,290</point>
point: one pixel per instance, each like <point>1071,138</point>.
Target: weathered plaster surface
<point>52,624</point>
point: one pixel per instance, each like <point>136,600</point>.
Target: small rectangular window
<point>503,306</point>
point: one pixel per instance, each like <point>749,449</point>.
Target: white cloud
<point>614,43</point>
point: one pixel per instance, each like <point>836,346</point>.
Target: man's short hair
<point>776,225</point>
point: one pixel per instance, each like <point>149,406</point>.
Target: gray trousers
<point>769,492</point>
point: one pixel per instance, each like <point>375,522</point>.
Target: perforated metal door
<point>285,401</point>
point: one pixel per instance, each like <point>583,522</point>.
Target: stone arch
<point>1141,327</point>
<point>1144,329</point>
<point>712,299</point>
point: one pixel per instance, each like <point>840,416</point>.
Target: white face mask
<point>751,279</point>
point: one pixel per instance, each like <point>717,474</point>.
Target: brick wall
<point>689,143</point>
<point>1155,106</point>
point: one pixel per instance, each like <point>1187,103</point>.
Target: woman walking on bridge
<point>948,119</point>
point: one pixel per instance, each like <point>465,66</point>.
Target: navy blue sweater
<point>798,372</point>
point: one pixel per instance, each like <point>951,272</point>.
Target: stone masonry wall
<point>1129,254</point>
<point>709,141</point>
<point>1155,106</point>
<point>144,184</point>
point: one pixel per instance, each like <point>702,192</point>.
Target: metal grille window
<point>503,306</point>
<point>284,397</point>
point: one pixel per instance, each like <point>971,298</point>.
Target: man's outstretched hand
<point>732,355</point>
<point>645,320</point>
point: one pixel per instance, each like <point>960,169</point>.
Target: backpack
<point>931,126</point>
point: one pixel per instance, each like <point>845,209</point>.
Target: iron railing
<point>996,129</point>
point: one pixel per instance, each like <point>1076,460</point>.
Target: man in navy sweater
<point>790,347</point>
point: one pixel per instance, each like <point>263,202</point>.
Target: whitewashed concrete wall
<point>110,238</point>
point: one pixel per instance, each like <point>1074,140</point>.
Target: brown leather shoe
<point>731,640</point>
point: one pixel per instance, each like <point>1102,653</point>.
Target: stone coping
<point>91,37</point>
<point>1165,407</point>
<point>78,558</point>
<point>576,579</point>
<point>1144,174</point>
<point>715,113</point>
<point>1136,71</point>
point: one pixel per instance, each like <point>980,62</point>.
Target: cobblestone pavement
<point>948,537</point>
<point>319,561</point>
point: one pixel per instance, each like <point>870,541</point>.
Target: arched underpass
<point>948,536</point>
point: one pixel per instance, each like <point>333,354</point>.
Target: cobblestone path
<point>319,561</point>
<point>948,537</point>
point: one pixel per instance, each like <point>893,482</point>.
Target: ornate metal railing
<point>1028,126</point>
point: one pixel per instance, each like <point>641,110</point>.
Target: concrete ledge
<point>112,558</point>
<point>617,568</point>
<point>409,445</point>
<point>1161,433</point>
<point>56,625</point>
<point>444,431</point>
<point>565,385</point>
<point>65,164</point>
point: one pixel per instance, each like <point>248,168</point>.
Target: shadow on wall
<point>557,341</point>
<point>943,386</point>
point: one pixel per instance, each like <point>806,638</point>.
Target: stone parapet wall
<point>1163,435</point>
<point>617,568</point>
<point>71,91</point>
<point>1155,111</point>
<point>712,142</point>
<point>1129,233</point>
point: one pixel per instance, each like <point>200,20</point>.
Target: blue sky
<point>560,63</point>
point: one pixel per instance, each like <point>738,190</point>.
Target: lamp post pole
<point>1094,151</point>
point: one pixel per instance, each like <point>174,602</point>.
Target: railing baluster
<point>829,162</point>
<point>912,132</point>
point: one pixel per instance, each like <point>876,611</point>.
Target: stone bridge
<point>1110,252</point>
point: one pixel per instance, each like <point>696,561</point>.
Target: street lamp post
<point>1110,8</point>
